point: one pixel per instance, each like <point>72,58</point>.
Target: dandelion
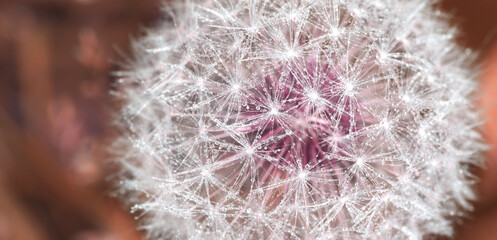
<point>295,119</point>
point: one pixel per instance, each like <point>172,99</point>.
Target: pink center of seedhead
<point>294,123</point>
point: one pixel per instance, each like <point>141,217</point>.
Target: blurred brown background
<point>55,59</point>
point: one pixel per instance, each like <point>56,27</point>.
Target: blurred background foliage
<point>56,57</point>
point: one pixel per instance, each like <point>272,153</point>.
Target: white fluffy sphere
<point>299,119</point>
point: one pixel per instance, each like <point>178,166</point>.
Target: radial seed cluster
<point>298,119</point>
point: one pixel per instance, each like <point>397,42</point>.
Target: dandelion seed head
<point>274,111</point>
<point>236,87</point>
<point>249,151</point>
<point>302,176</point>
<point>294,119</point>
